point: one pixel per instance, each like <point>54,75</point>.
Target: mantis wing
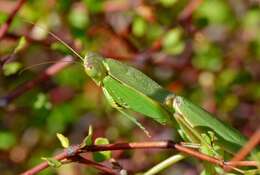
<point>200,119</point>
<point>136,79</point>
<point>130,98</point>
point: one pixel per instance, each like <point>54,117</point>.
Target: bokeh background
<point>207,51</point>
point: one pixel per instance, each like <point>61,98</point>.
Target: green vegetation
<point>210,57</point>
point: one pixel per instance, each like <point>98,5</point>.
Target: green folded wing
<point>136,79</point>
<point>199,118</point>
<point>130,98</point>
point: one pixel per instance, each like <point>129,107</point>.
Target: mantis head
<point>94,67</point>
<point>93,63</point>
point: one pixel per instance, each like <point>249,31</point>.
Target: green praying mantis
<point>128,89</point>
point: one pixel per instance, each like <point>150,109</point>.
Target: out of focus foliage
<point>212,57</point>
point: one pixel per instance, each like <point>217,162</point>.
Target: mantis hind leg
<point>195,137</point>
<point>192,135</point>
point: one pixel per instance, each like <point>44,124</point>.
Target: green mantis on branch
<point>129,90</point>
<point>126,88</point>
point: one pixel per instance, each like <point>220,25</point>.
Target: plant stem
<point>164,164</point>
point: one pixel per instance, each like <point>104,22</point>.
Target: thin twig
<point>189,9</point>
<point>44,165</point>
<point>132,145</point>
<point>98,166</point>
<point>248,147</point>
<point>199,155</point>
<point>4,28</point>
<point>185,17</point>
<point>165,164</point>
<point>242,163</point>
<point>76,150</point>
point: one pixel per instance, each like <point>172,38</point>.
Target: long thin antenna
<point>66,45</point>
<point>57,38</point>
<point>46,62</point>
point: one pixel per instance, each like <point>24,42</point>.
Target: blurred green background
<point>210,55</point>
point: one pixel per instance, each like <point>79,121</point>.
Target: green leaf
<point>255,47</point>
<point>226,78</point>
<point>21,44</point>
<point>11,68</point>
<point>102,155</point>
<point>64,5</point>
<point>63,140</point>
<point>52,162</point>
<point>42,102</point>
<point>168,3</point>
<point>154,31</point>
<point>60,117</point>
<point>139,26</point>
<point>7,140</point>
<point>94,6</point>
<point>209,169</point>
<point>207,56</point>
<point>3,17</point>
<point>172,42</point>
<point>88,139</point>
<point>251,19</point>
<point>78,18</point>
<point>214,11</point>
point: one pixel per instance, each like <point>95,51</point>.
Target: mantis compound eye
<point>91,70</point>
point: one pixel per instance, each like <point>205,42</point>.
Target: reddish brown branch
<point>98,166</point>
<point>49,72</point>
<point>44,165</point>
<point>189,9</point>
<point>132,145</point>
<point>185,17</point>
<point>199,155</point>
<point>76,150</point>
<point>4,28</point>
<point>242,163</point>
<point>254,140</point>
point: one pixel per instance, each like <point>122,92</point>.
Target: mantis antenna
<point>58,39</point>
<point>46,62</point>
